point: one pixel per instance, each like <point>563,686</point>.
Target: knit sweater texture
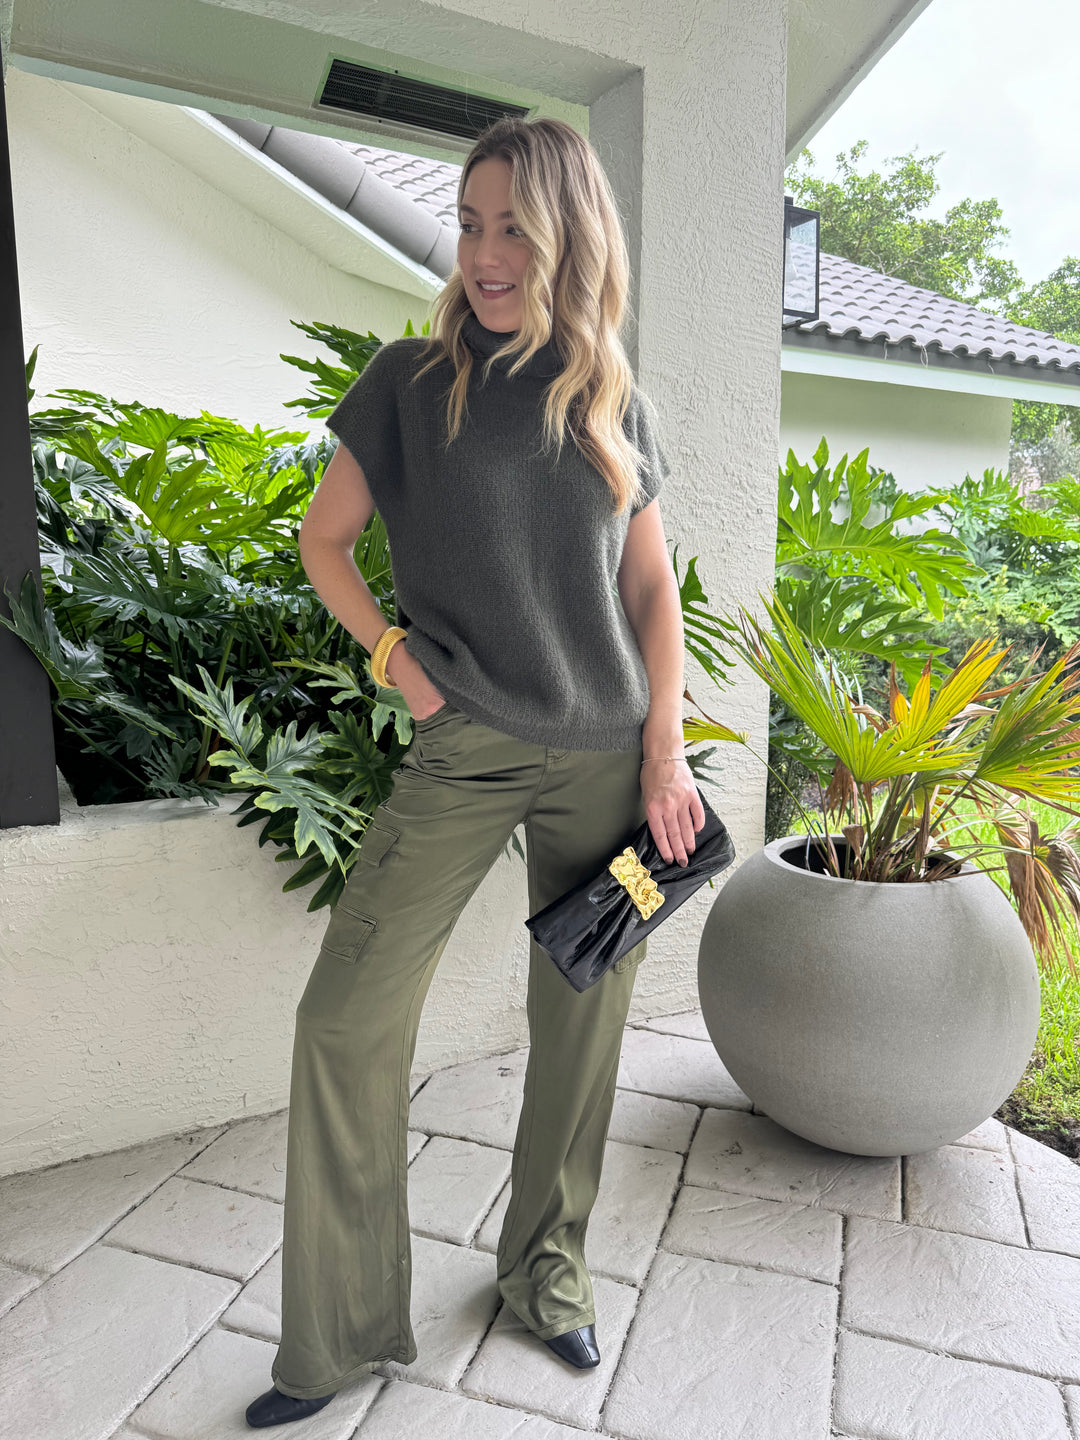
<point>504,561</point>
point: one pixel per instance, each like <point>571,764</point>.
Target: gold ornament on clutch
<point>639,884</point>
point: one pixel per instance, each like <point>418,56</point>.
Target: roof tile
<point>862,304</point>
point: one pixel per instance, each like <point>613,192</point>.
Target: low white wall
<point>925,438</point>
<point>151,968</point>
<point>142,282</point>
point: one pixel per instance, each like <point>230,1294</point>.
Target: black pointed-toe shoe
<point>274,1408</point>
<point>576,1346</point>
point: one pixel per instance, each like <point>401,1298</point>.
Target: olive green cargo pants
<point>460,791</point>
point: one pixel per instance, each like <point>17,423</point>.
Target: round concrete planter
<point>873,1019</point>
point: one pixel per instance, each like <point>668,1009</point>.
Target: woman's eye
<point>513,229</point>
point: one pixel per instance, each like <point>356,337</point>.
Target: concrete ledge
<point>152,966</point>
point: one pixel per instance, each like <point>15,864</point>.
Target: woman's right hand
<point>406,673</point>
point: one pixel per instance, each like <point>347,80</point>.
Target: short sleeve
<point>366,421</point>
<point>644,431</point>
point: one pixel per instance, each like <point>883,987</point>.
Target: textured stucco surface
<point>183,918</point>
<point>925,437</point>
<point>151,968</point>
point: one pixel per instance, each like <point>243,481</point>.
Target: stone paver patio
<point>749,1285</point>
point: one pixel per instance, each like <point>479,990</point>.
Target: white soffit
<point>267,61</point>
<point>210,149</point>
<point>796,360</point>
<point>832,47</point>
<point>262,59</point>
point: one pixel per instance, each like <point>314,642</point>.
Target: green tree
<point>1052,305</point>
<point>873,220</point>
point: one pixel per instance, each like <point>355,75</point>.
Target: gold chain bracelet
<point>662,757</point>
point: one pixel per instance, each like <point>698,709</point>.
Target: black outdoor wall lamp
<point>802,263</point>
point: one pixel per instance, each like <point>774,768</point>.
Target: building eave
<point>210,149</point>
<point>932,370</point>
<point>833,45</point>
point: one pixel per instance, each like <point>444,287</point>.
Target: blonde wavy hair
<point>574,291</point>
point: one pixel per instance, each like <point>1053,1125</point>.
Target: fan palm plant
<point>941,780</point>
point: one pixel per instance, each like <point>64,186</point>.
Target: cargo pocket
<point>631,959</point>
<point>376,841</point>
<point>347,934</point>
<point>349,930</point>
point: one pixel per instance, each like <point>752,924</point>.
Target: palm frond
<point>898,777</point>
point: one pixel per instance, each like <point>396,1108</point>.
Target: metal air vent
<point>389,95</point>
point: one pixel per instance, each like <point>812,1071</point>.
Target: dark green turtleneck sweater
<point>504,562</point>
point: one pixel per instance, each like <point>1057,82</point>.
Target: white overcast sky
<point>995,84</point>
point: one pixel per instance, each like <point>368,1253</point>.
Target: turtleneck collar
<point>484,342</point>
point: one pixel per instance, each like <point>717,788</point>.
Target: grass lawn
<point>1046,1102</point>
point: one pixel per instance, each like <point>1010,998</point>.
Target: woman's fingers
<point>674,811</point>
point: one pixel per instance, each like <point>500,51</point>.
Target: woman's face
<point>491,247</point>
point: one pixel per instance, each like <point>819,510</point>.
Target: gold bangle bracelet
<point>662,757</point>
<point>385,643</point>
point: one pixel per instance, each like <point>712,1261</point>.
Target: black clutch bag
<point>591,926</point>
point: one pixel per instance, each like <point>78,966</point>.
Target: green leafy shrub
<point>171,581</point>
<point>862,581</point>
<point>1028,548</point>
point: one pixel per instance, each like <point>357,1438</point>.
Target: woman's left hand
<point>673,807</point>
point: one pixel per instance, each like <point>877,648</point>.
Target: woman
<point>538,696</point>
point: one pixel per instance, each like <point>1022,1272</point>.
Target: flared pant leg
<point>586,806</point>
<point>460,792</point>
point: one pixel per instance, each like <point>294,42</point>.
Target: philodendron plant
<point>939,778</point>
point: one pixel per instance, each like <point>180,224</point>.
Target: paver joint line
<point>180,1264</point>
<point>839,1309</point>
<point>645,1278</point>
<point>757,1265</point>
<point>97,1235</point>
<point>952,1355</point>
<point>967,1235</point>
<point>220,1185</point>
<point>1065,1406</point>
<point>1016,1183</point>
<point>163,1379</point>
<point>483,1337</point>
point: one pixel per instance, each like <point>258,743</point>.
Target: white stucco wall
<point>152,965</point>
<point>924,437</point>
<point>141,281</point>
<point>151,968</point>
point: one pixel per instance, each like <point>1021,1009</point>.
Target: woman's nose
<point>488,249</point>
